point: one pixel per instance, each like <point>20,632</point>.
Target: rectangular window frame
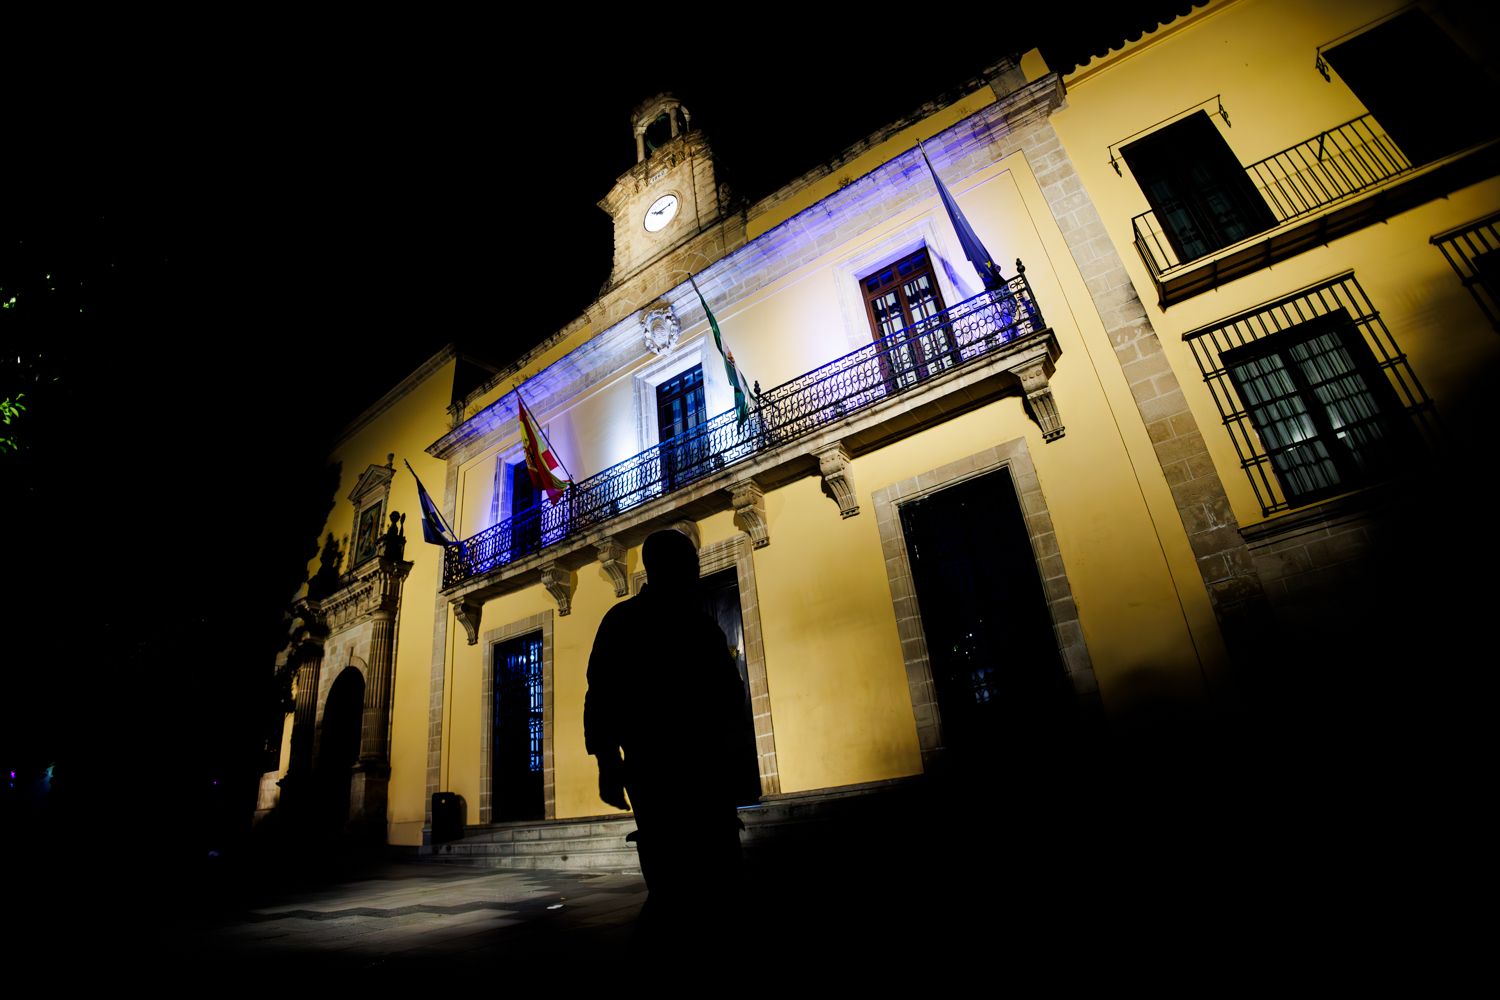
<point>1335,303</point>
<point>1425,130</point>
<point>685,453</point>
<point>918,355</point>
<point>1201,195</point>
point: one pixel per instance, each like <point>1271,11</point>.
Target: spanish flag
<point>540,460</point>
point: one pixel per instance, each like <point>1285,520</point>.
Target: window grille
<point>1316,395</point>
<point>1473,251</point>
<point>518,721</point>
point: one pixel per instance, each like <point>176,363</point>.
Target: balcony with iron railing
<point>883,379</point>
<point>1336,182</point>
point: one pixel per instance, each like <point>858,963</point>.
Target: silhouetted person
<point>664,691</point>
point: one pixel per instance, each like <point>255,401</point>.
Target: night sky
<point>220,254</point>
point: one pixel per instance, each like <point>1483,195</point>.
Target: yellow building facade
<point>957,518</point>
<point>1302,198</point>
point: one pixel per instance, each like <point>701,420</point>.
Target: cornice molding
<point>902,182</point>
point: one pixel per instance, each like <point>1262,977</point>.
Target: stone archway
<point>338,749</point>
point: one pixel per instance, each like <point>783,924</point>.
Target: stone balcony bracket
<point>467,613</point>
<point>690,529</point>
<point>612,559</point>
<point>838,478</point>
<point>560,583</point>
<point>1020,368</point>
<point>750,511</point>
<point>1034,375</point>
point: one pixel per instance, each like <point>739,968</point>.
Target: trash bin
<point>447,817</point>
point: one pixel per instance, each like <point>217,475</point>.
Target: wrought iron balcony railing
<point>885,368</point>
<point>1296,182</point>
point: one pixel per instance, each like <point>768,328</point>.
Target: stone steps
<point>597,843</point>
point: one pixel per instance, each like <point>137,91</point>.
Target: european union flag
<point>434,529</point>
<point>967,238</point>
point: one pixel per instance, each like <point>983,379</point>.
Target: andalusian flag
<point>967,238</point>
<point>540,460</point>
<point>434,529</point>
<point>736,377</point>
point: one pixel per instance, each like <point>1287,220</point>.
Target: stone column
<point>309,654</point>
<point>370,784</point>
<point>375,732</point>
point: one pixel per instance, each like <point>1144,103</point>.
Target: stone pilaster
<point>1224,563</point>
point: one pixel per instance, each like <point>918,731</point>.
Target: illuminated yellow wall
<point>840,706</point>
<point>838,687</point>
<point>1258,54</point>
<point>406,428</point>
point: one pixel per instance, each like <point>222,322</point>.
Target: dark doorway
<point>338,748</point>
<point>1425,129</point>
<point>516,744</point>
<point>721,599</point>
<point>1202,196</point>
<point>999,680</point>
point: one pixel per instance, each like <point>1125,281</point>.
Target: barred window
<point>1315,393</point>
<point>1473,251</point>
<point>517,747</point>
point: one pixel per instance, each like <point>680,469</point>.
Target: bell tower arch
<point>671,196</point>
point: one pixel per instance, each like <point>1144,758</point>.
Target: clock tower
<point>670,202</point>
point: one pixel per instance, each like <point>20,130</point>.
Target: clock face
<point>662,211</point>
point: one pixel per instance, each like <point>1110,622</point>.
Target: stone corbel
<point>838,479</point>
<point>1034,375</point>
<point>690,529</point>
<point>612,558</point>
<point>750,512</point>
<point>559,583</point>
<point>467,613</point>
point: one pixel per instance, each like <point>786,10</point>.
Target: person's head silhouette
<point>671,561</point>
